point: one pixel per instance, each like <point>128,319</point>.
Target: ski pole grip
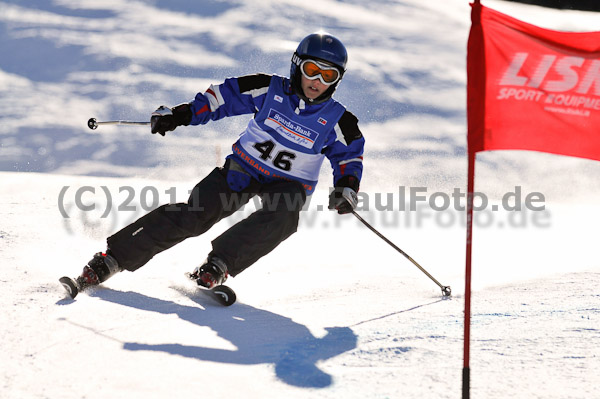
<point>350,195</point>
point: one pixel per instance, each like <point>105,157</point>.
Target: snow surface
<point>333,312</point>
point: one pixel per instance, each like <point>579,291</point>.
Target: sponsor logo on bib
<point>291,130</point>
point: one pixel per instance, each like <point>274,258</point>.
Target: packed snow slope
<point>334,312</point>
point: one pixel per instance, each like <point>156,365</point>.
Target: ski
<point>221,293</point>
<point>70,286</point>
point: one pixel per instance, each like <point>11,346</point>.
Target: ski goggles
<point>312,70</point>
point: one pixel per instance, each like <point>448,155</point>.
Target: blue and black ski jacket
<point>287,138</point>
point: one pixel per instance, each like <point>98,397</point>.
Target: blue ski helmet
<point>320,46</point>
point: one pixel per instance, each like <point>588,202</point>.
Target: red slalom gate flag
<point>528,88</point>
<point>531,88</point>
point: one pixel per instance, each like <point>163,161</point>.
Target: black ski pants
<point>210,201</point>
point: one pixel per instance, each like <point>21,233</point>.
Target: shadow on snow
<point>261,337</point>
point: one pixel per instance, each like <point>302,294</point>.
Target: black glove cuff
<point>182,114</point>
<point>348,181</point>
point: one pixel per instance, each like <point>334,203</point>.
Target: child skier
<point>277,157</point>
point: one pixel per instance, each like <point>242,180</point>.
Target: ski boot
<point>98,270</point>
<point>212,273</point>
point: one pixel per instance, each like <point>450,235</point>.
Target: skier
<point>277,157</point>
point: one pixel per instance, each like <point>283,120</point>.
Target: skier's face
<point>312,88</point>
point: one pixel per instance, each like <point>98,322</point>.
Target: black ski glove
<point>343,198</point>
<point>165,119</point>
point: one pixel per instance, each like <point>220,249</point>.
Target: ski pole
<point>446,291</point>
<point>93,123</point>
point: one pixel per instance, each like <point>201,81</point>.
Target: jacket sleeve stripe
<point>344,162</point>
<point>339,135</point>
<point>346,129</point>
<point>214,97</point>
<point>202,110</point>
<point>257,92</point>
<point>258,81</point>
